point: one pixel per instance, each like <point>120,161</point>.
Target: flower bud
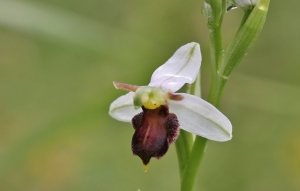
<point>246,3</point>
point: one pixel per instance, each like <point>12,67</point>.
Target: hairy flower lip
<point>155,130</point>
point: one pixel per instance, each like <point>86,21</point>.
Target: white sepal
<point>201,118</point>
<point>122,108</point>
<point>181,68</point>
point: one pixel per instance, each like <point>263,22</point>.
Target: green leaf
<point>244,38</point>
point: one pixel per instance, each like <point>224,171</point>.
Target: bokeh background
<point>58,59</point>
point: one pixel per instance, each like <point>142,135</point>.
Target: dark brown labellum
<point>155,130</point>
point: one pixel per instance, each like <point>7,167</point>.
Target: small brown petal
<point>127,87</point>
<point>155,130</point>
<point>174,96</point>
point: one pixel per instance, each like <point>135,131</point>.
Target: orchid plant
<point>157,112</point>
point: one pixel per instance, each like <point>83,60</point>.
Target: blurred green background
<point>58,59</point>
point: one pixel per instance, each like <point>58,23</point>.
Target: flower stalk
<point>217,10</point>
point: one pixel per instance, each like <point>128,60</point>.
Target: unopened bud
<point>246,3</point>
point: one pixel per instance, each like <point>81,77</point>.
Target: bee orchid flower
<point>156,112</point>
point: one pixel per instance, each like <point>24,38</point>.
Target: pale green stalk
<point>214,24</point>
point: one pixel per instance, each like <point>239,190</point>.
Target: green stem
<point>194,161</point>
<point>217,52</point>
<point>214,25</point>
<point>216,89</point>
<point>217,84</point>
<point>183,146</point>
<point>216,46</point>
